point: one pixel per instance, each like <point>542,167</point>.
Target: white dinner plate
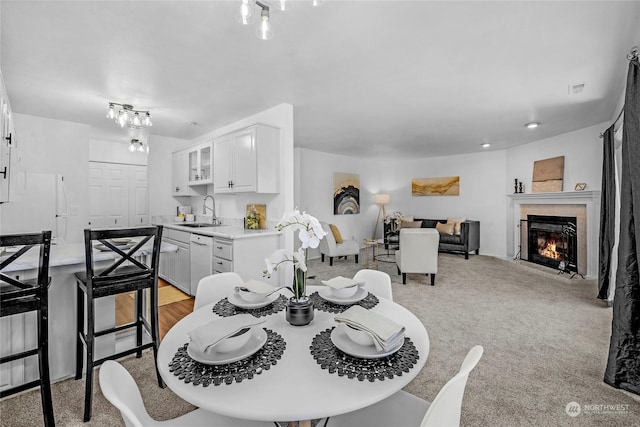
<point>237,300</point>
<point>120,241</point>
<point>341,340</point>
<point>326,293</point>
<point>255,343</point>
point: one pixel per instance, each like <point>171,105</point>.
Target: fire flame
<point>550,251</point>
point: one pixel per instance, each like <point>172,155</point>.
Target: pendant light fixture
<point>137,145</point>
<point>264,30</point>
<point>244,13</point>
<point>126,115</point>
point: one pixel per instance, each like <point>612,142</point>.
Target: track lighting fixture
<point>126,115</point>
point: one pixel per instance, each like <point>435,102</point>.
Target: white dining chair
<point>215,287</point>
<point>376,282</point>
<point>406,410</point>
<point>119,387</point>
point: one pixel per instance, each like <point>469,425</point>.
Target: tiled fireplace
<point>559,230</point>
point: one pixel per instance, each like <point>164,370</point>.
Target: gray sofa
<point>467,241</point>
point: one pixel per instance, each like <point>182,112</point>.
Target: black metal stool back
<point>23,296</point>
<point>136,253</point>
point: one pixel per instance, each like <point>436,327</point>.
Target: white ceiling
<point>366,78</point>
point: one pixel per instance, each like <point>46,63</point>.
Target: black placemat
<point>225,309</point>
<point>322,304</point>
<point>190,371</point>
<point>331,358</point>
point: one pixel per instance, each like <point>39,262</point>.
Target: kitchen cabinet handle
<point>219,247</point>
<point>177,189</point>
<point>8,138</point>
<point>4,172</point>
<point>219,263</point>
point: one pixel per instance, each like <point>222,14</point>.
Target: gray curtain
<point>607,212</point>
<point>623,365</point>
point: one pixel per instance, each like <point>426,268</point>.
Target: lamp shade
<point>382,199</point>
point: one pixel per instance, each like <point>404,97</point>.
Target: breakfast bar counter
<point>17,333</point>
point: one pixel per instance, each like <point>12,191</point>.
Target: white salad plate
<point>255,343</point>
<point>341,340</point>
<point>326,294</point>
<point>237,300</point>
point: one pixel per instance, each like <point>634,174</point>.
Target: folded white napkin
<point>206,336</point>
<point>341,282</point>
<point>257,287</point>
<point>385,332</point>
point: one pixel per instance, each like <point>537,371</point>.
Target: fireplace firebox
<point>551,241</point>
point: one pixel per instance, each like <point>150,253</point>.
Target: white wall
<point>481,196</point>
<point>159,170</point>
<point>101,150</point>
<point>582,151</point>
<point>51,147</point>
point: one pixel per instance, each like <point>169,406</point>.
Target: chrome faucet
<point>214,220</point>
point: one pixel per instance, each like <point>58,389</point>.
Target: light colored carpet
<point>545,339</point>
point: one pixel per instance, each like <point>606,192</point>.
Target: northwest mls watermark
<point>573,409</point>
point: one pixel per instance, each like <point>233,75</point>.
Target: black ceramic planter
<point>299,313</point>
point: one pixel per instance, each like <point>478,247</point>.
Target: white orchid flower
<point>300,259</point>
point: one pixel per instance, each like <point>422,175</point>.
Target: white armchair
<point>330,248</point>
<point>418,252</point>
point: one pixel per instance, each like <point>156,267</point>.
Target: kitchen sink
<point>199,225</point>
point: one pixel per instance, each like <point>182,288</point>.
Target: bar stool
<point>23,296</point>
<point>129,272</point>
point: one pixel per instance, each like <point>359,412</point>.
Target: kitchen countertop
<point>224,231</point>
<point>71,254</point>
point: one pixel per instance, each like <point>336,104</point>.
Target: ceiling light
<point>244,13</point>
<point>126,115</point>
<point>532,125</point>
<point>264,30</point>
<point>486,145</point>
<point>284,5</point>
<point>317,3</point>
<point>139,146</point>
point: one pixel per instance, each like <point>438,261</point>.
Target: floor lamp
<point>380,199</point>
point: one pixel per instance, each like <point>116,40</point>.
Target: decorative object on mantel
<point>548,175</point>
<point>515,186</point>
<point>444,186</point>
<point>310,232</point>
<point>520,187</point>
<point>581,186</point>
<point>346,193</point>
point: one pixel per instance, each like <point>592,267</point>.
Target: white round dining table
<point>296,388</point>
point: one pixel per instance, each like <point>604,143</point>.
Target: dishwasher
<point>201,251</point>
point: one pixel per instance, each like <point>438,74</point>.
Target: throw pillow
<point>336,233</point>
<point>411,224</point>
<point>445,228</point>
<point>406,218</point>
<point>456,223</point>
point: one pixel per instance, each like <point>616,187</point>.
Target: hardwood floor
<point>168,314</point>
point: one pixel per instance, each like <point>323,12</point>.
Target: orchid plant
<point>310,233</point>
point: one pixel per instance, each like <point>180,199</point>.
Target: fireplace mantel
<point>558,197</point>
<point>590,199</point>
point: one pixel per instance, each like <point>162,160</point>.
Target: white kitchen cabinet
<point>9,154</point>
<point>247,160</point>
<point>180,174</point>
<point>246,257</point>
<point>118,195</point>
<point>175,267</point>
<point>200,161</point>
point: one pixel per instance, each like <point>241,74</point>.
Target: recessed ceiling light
<point>532,125</point>
<point>486,145</point>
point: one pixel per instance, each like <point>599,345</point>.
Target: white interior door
<point>138,196</point>
<point>97,186</point>
<point>116,196</point>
